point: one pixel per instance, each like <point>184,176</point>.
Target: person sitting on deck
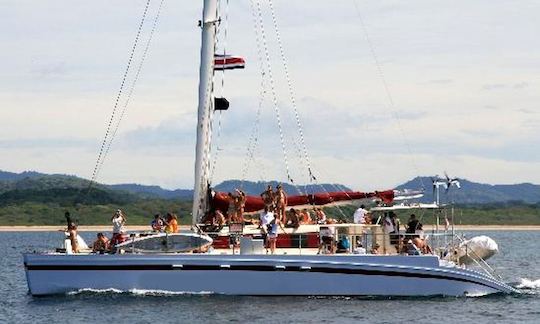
<point>412,249</point>
<point>157,223</point>
<point>293,218</point>
<point>321,216</point>
<point>218,219</point>
<point>280,203</point>
<point>305,217</point>
<point>328,244</point>
<point>368,219</point>
<point>101,244</point>
<point>422,245</point>
<point>343,245</point>
<point>171,223</point>
<point>375,249</point>
<point>359,249</point>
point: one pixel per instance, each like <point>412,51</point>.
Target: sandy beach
<point>107,228</point>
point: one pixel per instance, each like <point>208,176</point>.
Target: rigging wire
<point>119,95</point>
<point>254,135</point>
<point>386,87</point>
<point>133,84</point>
<point>273,92</point>
<point>291,91</point>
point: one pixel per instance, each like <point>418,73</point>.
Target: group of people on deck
<point>237,203</point>
<point>169,224</point>
<point>413,241</point>
<point>102,244</point>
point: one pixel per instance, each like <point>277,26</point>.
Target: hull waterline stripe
<point>167,267</point>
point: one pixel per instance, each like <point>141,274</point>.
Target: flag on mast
<point>228,62</point>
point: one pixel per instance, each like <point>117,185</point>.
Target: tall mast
<point>206,102</point>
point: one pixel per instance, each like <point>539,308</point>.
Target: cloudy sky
<point>464,77</point>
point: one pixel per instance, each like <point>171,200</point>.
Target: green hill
<point>32,198</point>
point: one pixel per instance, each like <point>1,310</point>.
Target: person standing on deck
<point>268,197</point>
<point>118,221</point>
<point>281,203</point>
<point>239,204</point>
<point>273,228</point>
<point>412,225</point>
<point>359,216</point>
<point>231,211</point>
<point>72,232</point>
<point>390,227</point>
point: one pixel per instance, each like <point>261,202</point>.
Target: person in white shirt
<point>118,221</point>
<point>359,249</point>
<point>359,216</point>
<point>388,224</point>
<point>266,217</point>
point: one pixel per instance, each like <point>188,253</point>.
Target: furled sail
<point>255,203</point>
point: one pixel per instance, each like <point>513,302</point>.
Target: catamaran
<point>234,260</point>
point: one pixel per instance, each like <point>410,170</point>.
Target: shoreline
<point>137,228</point>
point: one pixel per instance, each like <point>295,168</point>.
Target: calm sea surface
<point>518,263</point>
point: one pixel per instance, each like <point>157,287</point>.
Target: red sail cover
<point>255,203</point>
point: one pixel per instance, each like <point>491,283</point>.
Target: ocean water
<point>518,263</point>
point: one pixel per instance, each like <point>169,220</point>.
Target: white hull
<point>347,275</point>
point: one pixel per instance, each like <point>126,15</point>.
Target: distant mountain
<point>8,176</point>
<point>58,189</point>
<point>38,181</point>
<point>477,193</point>
<point>15,186</point>
<point>153,191</point>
